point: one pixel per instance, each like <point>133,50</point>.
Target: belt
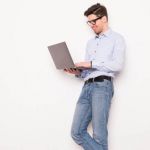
<point>98,79</point>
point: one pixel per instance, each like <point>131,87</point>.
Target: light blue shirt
<point>106,51</point>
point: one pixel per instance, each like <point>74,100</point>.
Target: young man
<point>103,61</point>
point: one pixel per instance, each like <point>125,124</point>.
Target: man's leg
<point>81,119</point>
<point>101,100</point>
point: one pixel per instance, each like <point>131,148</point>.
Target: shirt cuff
<point>78,76</point>
<point>81,75</point>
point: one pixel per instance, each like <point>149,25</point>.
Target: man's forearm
<point>84,64</point>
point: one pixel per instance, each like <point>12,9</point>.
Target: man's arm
<point>115,64</point>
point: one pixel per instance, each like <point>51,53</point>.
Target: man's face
<point>96,23</point>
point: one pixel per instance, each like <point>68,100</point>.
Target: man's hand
<point>84,64</point>
<point>73,71</point>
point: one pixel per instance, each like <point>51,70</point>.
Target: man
<point>103,61</point>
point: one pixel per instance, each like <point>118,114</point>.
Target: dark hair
<point>97,9</point>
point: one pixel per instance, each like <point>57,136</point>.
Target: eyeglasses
<point>93,22</point>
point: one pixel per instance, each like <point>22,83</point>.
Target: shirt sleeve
<point>115,64</point>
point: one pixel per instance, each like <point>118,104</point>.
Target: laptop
<point>61,56</point>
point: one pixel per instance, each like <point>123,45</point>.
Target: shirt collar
<point>106,33</point>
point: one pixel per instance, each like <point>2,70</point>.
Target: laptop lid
<point>61,56</point>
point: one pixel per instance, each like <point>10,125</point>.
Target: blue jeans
<point>93,105</point>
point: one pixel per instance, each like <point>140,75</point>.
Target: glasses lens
<point>93,22</point>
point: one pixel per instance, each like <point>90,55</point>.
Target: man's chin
<point>97,32</point>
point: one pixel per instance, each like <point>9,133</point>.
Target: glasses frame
<point>93,22</point>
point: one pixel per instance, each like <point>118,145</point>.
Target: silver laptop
<point>61,56</point>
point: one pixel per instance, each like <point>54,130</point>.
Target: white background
<point>37,101</point>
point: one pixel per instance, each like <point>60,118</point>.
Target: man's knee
<point>102,140</point>
<point>76,136</point>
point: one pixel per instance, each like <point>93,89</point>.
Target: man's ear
<point>104,19</point>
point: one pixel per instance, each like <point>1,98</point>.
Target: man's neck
<point>105,28</point>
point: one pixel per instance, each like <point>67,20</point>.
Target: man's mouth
<point>94,27</point>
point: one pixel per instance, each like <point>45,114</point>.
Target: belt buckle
<point>93,79</point>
